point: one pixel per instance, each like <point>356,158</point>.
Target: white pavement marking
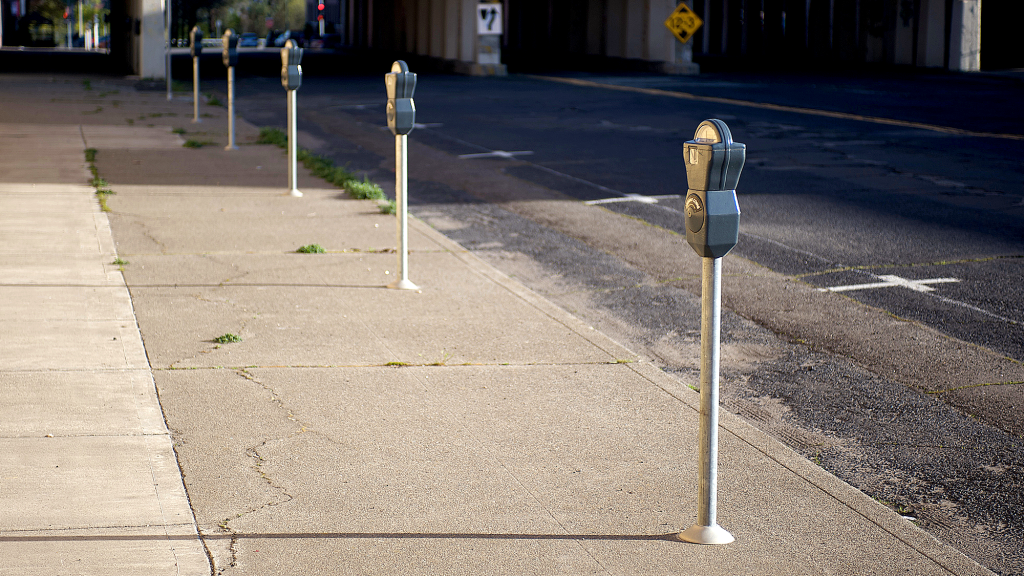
<point>634,198</point>
<point>496,154</point>
<point>889,281</point>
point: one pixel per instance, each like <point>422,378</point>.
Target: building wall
<point>148,44</point>
<point>569,32</point>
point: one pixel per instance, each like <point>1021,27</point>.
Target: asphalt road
<point>917,185</point>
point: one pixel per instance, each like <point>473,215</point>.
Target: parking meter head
<point>230,51</point>
<point>195,41</point>
<point>401,110</point>
<point>291,54</point>
<point>713,165</point>
<point>713,161</point>
<point>400,83</point>
<point>291,71</point>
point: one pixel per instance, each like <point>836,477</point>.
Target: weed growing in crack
<point>364,190</point>
<point>311,249</point>
<point>445,356</point>
<point>227,338</point>
<point>102,186</point>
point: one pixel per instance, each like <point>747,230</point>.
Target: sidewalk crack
<point>258,462</point>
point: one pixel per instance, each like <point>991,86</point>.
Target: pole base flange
<point>698,534</point>
<point>197,121</point>
<point>403,285</point>
<point>295,192</point>
<point>231,147</point>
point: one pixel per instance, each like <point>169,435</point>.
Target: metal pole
<point>707,530</point>
<point>231,109</point>
<point>167,46</point>
<point>195,90</point>
<point>293,146</point>
<point>401,208</point>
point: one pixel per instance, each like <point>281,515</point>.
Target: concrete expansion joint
<point>393,364</point>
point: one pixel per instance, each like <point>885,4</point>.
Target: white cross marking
<point>496,154</point>
<point>888,280</point>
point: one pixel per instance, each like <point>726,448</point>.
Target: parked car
<point>248,40</point>
<point>295,36</point>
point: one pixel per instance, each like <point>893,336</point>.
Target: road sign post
<point>489,27</point>
<point>683,22</point>
<point>230,59</point>
<point>401,115</point>
<point>167,41</point>
<point>291,79</point>
<point>195,42</point>
<point>713,165</point>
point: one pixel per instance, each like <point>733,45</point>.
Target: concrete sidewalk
<point>470,427</point>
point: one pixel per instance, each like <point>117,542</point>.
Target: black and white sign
<point>488,19</point>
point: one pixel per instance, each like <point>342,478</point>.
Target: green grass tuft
<point>387,207</point>
<point>364,190</point>
<point>274,136</point>
<point>227,338</point>
<point>311,249</point>
<point>90,154</point>
<point>324,168</point>
<point>190,143</point>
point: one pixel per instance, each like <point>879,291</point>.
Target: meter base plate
<point>403,285</point>
<point>698,534</point>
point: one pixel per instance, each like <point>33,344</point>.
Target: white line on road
<point>496,154</point>
<point>889,281</point>
<point>627,197</point>
<point>634,198</point>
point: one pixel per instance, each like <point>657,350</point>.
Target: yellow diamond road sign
<point>683,22</point>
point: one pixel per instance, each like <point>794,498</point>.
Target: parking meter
<point>400,85</point>
<point>291,71</point>
<point>230,53</point>
<point>713,165</point>
<point>195,41</point>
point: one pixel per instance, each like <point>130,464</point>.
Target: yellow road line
<point>782,108</point>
